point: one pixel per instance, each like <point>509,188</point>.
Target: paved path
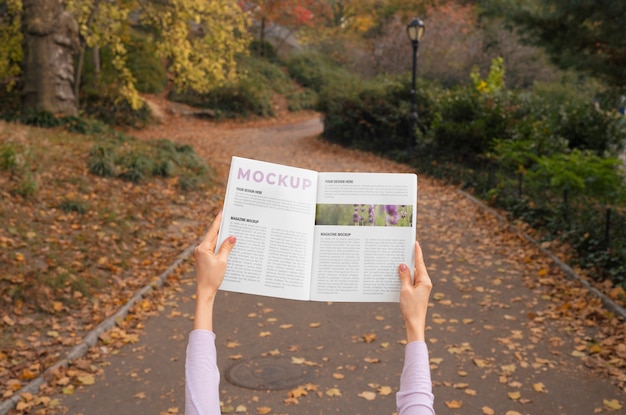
<point>499,337</point>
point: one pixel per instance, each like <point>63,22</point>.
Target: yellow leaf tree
<point>197,39</point>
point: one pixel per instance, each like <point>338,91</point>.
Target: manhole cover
<point>267,373</point>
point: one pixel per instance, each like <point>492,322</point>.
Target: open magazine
<point>308,235</point>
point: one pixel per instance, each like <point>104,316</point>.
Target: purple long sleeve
<point>202,377</point>
<point>415,396</point>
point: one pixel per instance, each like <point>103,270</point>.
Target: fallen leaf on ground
<point>454,404</point>
<point>367,395</point>
<point>333,392</point>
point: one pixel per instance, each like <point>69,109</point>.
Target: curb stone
<point>91,338</point>
<point>608,303</point>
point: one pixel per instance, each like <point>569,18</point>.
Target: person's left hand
<point>211,266</point>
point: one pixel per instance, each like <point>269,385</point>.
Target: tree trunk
<point>50,39</point>
<point>262,38</point>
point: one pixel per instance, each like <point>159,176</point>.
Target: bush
<point>147,69</point>
<point>114,112</point>
<point>8,157</point>
<point>72,205</point>
<point>372,115</point>
<point>134,160</point>
<point>102,161</point>
<point>318,72</point>
<point>305,99</point>
<point>543,160</point>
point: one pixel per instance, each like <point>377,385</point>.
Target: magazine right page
<point>364,228</point>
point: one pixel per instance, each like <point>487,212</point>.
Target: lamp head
<point>415,29</point>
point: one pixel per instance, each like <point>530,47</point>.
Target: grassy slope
<point>79,246</point>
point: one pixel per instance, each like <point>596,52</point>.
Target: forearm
<point>415,396</point>
<point>202,377</point>
<point>203,316</point>
<point>415,330</point>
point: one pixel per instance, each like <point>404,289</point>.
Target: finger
<point>405,275</point>
<point>421,274</point>
<point>226,247</point>
<point>210,239</point>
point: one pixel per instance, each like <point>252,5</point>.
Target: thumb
<point>226,247</point>
<point>405,275</point>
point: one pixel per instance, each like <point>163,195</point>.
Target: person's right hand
<point>414,297</point>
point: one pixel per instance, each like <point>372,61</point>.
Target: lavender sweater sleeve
<point>202,377</point>
<point>415,396</point>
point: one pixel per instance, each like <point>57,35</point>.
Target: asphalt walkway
<point>501,338</point>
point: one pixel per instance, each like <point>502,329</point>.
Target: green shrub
<point>135,166</point>
<point>147,68</point>
<point>263,49</point>
<point>371,115</point>
<point>8,157</point>
<point>580,173</point>
<point>72,205</point>
<point>102,161</point>
<point>317,72</point>
<point>244,98</point>
<point>305,99</point>
<point>26,185</point>
<point>114,112</point>
<point>134,160</point>
<point>43,119</point>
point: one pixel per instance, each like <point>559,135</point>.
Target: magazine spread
<point>308,235</point>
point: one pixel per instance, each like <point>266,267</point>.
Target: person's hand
<point>210,270</point>
<point>414,297</point>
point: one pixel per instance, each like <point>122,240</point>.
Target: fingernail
<point>403,267</point>
<point>232,239</point>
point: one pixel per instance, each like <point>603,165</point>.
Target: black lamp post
<point>415,30</point>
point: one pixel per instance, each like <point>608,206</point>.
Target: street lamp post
<point>415,30</point>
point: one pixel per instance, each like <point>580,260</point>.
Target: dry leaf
<point>297,392</point>
<point>454,404</point>
<point>333,392</point>
<point>514,396</point>
<point>539,387</point>
<point>612,404</point>
<point>87,380</point>
<point>367,395</point>
<point>263,410</point>
<point>290,401</point>
<point>385,390</point>
<point>482,363</point>
<point>488,411</point>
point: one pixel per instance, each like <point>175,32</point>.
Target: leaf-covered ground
<point>507,332</point>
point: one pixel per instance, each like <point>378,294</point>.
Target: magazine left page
<point>270,208</point>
